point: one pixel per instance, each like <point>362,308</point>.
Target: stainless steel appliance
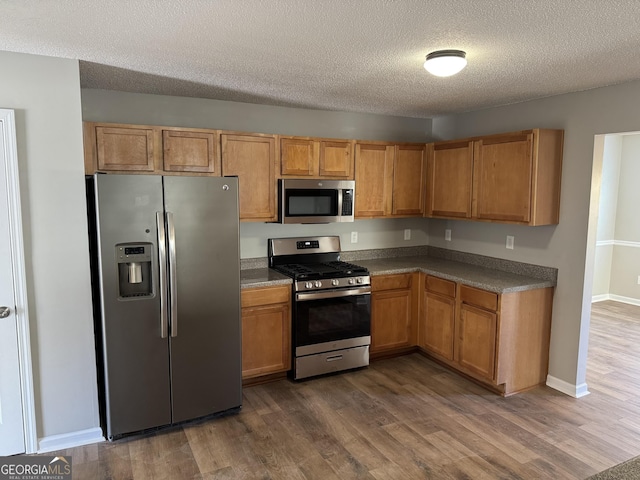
<point>316,201</point>
<point>331,305</point>
<point>166,281</point>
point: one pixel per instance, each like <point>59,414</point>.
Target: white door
<point>12,439</point>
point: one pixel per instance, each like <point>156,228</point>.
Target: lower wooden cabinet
<point>476,340</point>
<point>266,331</point>
<point>438,306</point>
<point>502,340</point>
<point>393,308</point>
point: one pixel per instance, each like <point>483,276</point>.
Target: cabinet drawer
<point>441,286</point>
<point>479,298</point>
<point>253,297</point>
<point>391,282</point>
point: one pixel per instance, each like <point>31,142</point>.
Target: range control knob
<point>359,280</point>
<point>335,282</point>
<point>351,281</point>
<point>308,285</point>
<point>317,284</point>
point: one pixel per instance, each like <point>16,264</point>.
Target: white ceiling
<point>351,55</point>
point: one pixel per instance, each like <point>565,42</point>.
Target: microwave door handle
<point>162,264</point>
<point>173,287</point>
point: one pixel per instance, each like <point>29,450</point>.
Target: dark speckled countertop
<point>488,273</point>
<point>473,275</point>
<point>262,277</point>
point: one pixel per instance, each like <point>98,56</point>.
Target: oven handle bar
<point>302,297</point>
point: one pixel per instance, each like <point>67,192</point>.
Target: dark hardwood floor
<point>404,418</point>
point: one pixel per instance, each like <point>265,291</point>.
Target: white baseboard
<point>70,440</point>
<point>615,298</point>
<point>620,298</point>
<point>567,388</point>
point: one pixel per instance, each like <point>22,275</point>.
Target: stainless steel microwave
<point>316,200</point>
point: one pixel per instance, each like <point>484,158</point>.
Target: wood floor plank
<point>407,418</point>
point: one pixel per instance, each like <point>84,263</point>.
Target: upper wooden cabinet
<point>408,180</point>
<point>449,179</point>
<point>374,179</point>
<point>252,158</point>
<point>123,148</point>
<point>150,149</point>
<point>191,151</point>
<point>389,179</point>
<point>316,157</point>
<point>510,178</point>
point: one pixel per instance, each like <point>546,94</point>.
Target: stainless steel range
<point>331,305</point>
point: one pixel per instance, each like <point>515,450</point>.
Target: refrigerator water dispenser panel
<point>134,270</point>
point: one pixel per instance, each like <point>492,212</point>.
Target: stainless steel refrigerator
<point>166,298</point>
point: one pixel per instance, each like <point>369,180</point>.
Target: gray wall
<point>45,93</point>
<point>107,106</point>
<point>611,158</point>
<point>569,246</point>
<point>625,265</point>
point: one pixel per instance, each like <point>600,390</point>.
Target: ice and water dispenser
<point>134,270</point>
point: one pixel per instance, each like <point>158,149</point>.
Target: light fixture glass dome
<point>444,63</point>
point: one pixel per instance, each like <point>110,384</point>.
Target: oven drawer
<point>330,362</point>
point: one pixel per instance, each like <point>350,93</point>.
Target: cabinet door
<point>298,157</point>
<point>476,346</point>
<point>390,319</point>
<point>252,160</point>
<point>409,180</point>
<point>449,179</point>
<point>374,180</point>
<point>437,334</point>
<point>336,159</point>
<point>190,151</point>
<point>125,149</point>
<point>266,340</point>
<point>503,170</point>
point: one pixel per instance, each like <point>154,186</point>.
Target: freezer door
<point>205,325</point>
<point>134,357</point>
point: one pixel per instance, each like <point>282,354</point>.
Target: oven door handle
<point>302,297</point>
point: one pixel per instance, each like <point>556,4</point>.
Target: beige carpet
<point>628,470</point>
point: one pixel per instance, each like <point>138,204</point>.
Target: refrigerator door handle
<point>173,286</point>
<point>162,260</point>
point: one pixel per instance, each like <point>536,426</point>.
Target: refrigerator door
<point>205,341</point>
<point>135,358</point>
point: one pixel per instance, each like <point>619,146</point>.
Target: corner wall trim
<point>567,388</point>
<point>69,440</point>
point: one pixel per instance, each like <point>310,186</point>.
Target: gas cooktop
<point>314,263</point>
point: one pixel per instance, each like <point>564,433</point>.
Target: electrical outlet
<point>447,234</point>
<point>407,234</point>
<point>354,237</point>
<point>638,279</point>
<point>510,240</point>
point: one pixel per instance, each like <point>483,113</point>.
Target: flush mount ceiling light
<point>444,63</point>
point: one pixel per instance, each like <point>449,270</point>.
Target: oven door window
<point>331,319</point>
<point>311,203</point>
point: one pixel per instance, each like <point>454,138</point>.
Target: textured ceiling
<point>351,55</point>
